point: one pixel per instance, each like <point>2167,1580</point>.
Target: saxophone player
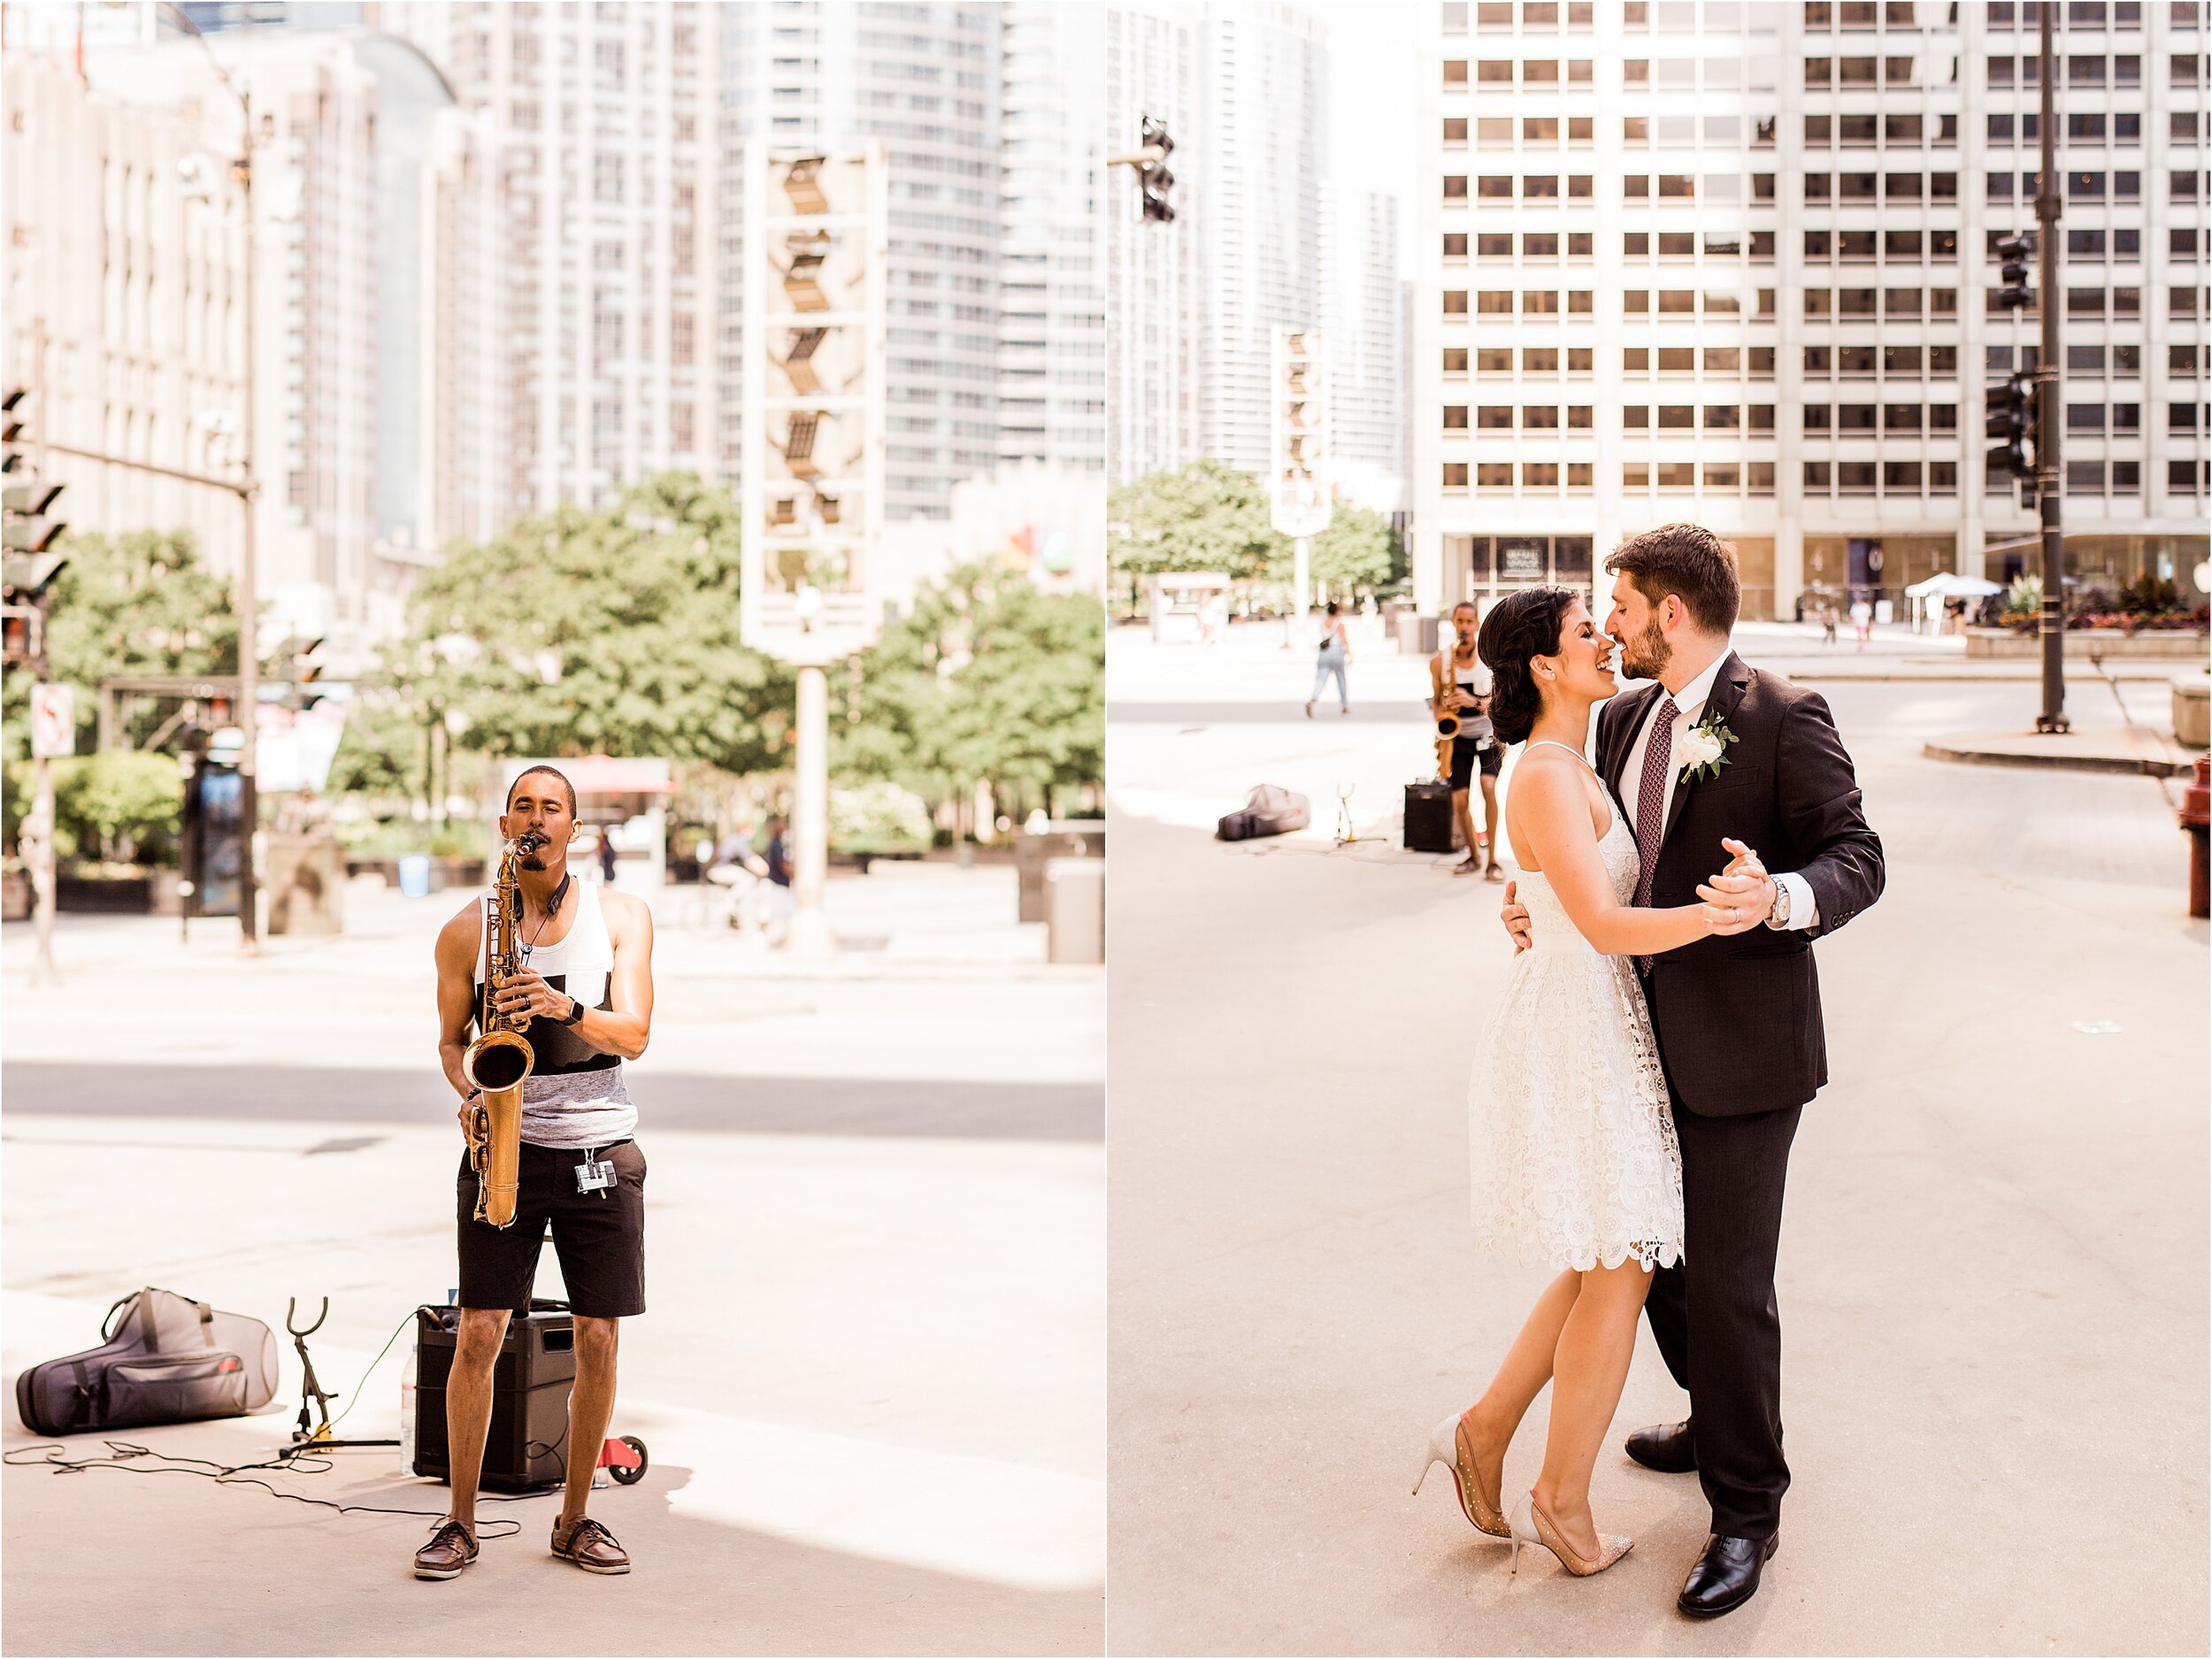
<point>1459,686</point>
<point>585,985</point>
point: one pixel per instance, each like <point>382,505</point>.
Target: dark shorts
<point>599,1237</point>
<point>1466,758</point>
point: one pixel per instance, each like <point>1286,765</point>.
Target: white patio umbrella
<point>1948,585</point>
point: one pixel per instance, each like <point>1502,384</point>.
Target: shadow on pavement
<point>689,1100</point>
<point>1393,712</point>
<point>104,1562</point>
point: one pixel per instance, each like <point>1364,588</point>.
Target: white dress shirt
<point>1689,708</point>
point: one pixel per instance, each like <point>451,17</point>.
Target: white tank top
<point>560,1107</point>
<point>1474,679</point>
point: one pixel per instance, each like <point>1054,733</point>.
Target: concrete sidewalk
<point>2135,750</point>
<point>868,1377</point>
<point>1991,1272</point>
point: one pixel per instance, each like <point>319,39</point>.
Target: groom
<point>1738,1017</point>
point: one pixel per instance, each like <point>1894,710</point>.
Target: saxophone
<point>1447,720</point>
<point>500,1059</point>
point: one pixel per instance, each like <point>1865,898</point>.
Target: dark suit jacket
<point>1738,1018</point>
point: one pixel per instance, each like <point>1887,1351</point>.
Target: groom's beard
<point>1645,655</point>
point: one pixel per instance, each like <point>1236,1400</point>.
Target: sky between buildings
<point>1372,83</point>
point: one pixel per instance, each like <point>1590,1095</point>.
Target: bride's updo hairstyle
<point>1519,626</point>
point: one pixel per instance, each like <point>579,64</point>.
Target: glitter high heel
<point>1448,1445</point>
<point>1532,1526</point>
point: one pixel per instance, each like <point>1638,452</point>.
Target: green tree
<point>612,632</point>
<point>988,680</point>
<point>1206,517</point>
<point>132,606</point>
<point>120,804</point>
<point>381,752</point>
<point>1355,551</point>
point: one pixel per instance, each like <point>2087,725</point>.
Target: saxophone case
<point>162,1358</point>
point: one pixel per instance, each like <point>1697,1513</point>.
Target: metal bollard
<point>1075,907</point>
<point>2196,817</point>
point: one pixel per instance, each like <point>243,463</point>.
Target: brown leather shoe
<point>451,1552</point>
<point>590,1546</point>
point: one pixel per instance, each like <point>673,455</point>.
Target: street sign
<point>1298,490</point>
<point>814,365</point>
<point>53,722</point>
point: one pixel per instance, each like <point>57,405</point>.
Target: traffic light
<point>2012,253</point>
<point>302,693</point>
<point>2009,410</point>
<point>816,394</point>
<point>1153,178</point>
<point>28,528</point>
<point>29,581</point>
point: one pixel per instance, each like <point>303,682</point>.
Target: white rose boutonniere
<point>1705,749</point>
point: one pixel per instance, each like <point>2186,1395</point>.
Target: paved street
<point>1991,1271</point>
<point>869,1378</point>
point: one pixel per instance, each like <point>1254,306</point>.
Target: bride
<point>1575,1162</point>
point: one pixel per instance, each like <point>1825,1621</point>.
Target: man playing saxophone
<point>584,982</point>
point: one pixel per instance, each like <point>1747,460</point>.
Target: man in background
<point>1459,684</point>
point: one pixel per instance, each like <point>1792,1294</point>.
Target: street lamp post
<point>248,489</point>
<point>2052,622</point>
<point>1298,499</point>
<point>812,490</point>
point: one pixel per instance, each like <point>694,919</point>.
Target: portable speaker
<point>528,1447</point>
<point>1429,827</point>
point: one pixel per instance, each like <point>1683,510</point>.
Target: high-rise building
<point>460,483</point>
<point>926,80</point>
<point>125,273</point>
<point>1052,285</point>
<point>1152,296</point>
<point>1732,263</point>
<point>1262,138</point>
<point>317,277</point>
<point>606,122</point>
<point>1366,347</point>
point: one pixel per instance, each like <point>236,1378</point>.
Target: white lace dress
<point>1573,1149</point>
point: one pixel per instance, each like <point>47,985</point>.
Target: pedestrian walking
<point>1863,619</point>
<point>781,902</point>
<point>1828,620</point>
<point>1336,655</point>
<point>606,855</point>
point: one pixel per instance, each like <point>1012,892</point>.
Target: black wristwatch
<point>575,1012</point>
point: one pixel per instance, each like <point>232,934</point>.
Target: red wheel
<point>629,1476</point>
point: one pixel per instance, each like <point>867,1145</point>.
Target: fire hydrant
<point>2196,817</point>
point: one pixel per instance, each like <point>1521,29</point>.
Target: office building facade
<point>1734,263</point>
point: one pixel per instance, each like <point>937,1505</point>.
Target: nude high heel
<point>1531,1526</point>
<point>1448,1445</point>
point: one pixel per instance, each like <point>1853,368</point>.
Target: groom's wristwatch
<point>1778,918</point>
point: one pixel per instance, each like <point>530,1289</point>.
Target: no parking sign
<point>53,722</point>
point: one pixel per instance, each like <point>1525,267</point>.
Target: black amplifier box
<point>528,1447</point>
<point>1430,826</point>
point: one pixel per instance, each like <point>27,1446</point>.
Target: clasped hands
<point>1736,901</point>
<point>1741,896</point>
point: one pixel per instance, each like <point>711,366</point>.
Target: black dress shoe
<point>1726,1575</point>
<point>1666,1446</point>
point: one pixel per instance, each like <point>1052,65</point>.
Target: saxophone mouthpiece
<point>529,841</point>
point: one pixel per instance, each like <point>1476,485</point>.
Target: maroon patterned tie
<point>1651,805</point>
